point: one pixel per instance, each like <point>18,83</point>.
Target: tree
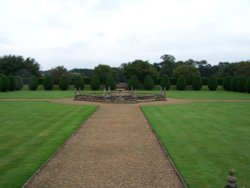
<point>247,85</point>
<point>227,83</point>
<point>12,83</point>
<point>167,65</point>
<point>197,83</point>
<point>241,82</point>
<point>187,71</point>
<point>5,85</point>
<point>133,82</point>
<point>181,83</point>
<point>102,71</point>
<point>33,83</point>
<point>110,82</point>
<point>165,82</point>
<point>12,65</point>
<point>234,84</point>
<point>212,83</point>
<point>48,83</point>
<point>243,69</point>
<point>19,83</point>
<point>57,73</point>
<point>95,82</point>
<point>139,68</point>
<point>148,83</point>
<point>64,83</point>
<point>79,82</point>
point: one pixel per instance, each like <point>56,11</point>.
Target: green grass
<point>30,132</point>
<point>205,140</point>
<point>213,95</point>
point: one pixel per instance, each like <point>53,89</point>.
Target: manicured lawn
<point>220,95</point>
<point>30,132</point>
<point>205,140</point>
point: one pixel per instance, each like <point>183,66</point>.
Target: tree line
<point>17,71</point>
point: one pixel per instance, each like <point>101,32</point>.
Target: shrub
<point>234,84</point>
<point>5,83</point>
<point>133,81</point>
<point>227,83</point>
<point>79,82</point>
<point>247,85</point>
<point>197,83</point>
<point>64,83</point>
<point>48,83</point>
<point>110,82</point>
<point>33,83</point>
<point>212,83</point>
<point>148,83</point>
<point>95,82</point>
<point>19,83</point>
<point>241,82</point>
<point>165,82</point>
<point>12,83</point>
<point>1,83</point>
<point>181,83</point>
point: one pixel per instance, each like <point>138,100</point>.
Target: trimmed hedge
<point>5,83</point>
<point>12,83</point>
<point>247,85</point>
<point>197,83</point>
<point>19,83</point>
<point>165,82</point>
<point>110,82</point>
<point>148,83</point>
<point>234,84</point>
<point>64,83</point>
<point>95,82</point>
<point>133,81</point>
<point>212,84</point>
<point>227,83</point>
<point>181,83</point>
<point>48,83</point>
<point>79,82</point>
<point>33,83</point>
<point>241,82</point>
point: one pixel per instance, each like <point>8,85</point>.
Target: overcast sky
<point>85,33</point>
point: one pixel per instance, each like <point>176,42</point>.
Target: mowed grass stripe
<point>205,140</point>
<point>30,132</point>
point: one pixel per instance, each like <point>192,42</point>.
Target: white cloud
<point>86,33</point>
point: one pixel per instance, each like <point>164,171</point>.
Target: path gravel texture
<point>115,147</point>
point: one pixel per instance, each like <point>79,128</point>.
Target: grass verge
<point>30,132</point>
<point>204,140</point>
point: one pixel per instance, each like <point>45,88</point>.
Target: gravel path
<point>114,148</point>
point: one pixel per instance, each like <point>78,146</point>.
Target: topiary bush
<point>181,83</point>
<point>197,83</point>
<point>212,83</point>
<point>148,83</point>
<point>165,82</point>
<point>19,83</point>
<point>79,82</point>
<point>5,83</point>
<point>241,82</point>
<point>110,82</point>
<point>234,84</point>
<point>95,82</point>
<point>247,85</point>
<point>1,83</point>
<point>48,83</point>
<point>12,83</point>
<point>33,83</point>
<point>133,81</point>
<point>64,83</point>
<point>227,83</point>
